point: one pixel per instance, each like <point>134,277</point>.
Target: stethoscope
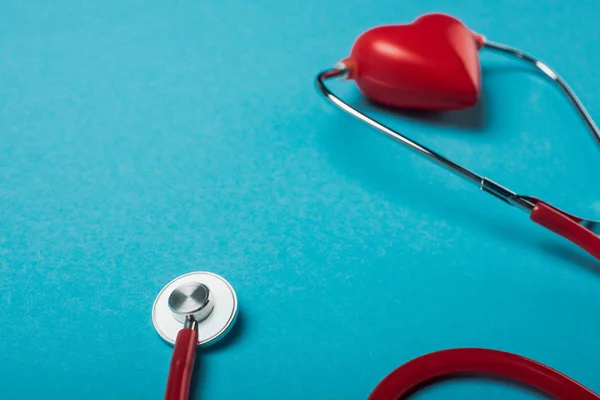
<point>198,309</point>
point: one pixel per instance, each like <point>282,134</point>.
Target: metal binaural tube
<point>549,72</point>
<point>482,182</point>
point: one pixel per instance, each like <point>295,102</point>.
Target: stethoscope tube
<point>450,363</point>
<point>182,362</point>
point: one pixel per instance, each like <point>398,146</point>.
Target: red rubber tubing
<point>182,365</point>
<point>567,226</point>
<point>441,364</point>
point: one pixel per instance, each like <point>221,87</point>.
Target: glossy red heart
<point>431,64</point>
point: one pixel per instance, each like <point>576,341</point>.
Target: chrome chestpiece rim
<point>192,299</point>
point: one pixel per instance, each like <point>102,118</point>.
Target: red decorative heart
<point>431,64</point>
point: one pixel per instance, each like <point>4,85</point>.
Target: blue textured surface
<point>143,140</point>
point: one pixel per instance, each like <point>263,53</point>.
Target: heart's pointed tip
<point>470,94</point>
<point>470,101</point>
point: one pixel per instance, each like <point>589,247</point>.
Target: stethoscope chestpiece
<point>205,298</point>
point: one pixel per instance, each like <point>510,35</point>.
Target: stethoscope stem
<point>450,363</point>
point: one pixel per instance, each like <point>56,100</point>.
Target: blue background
<point>144,140</point>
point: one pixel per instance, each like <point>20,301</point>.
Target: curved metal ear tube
<point>584,233</point>
<point>560,82</point>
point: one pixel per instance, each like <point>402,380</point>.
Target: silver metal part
<point>549,72</point>
<point>525,203</point>
<point>190,323</point>
<point>485,184</point>
<point>507,195</point>
<point>191,299</point>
